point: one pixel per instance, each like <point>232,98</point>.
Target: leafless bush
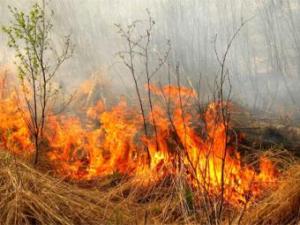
<point>139,47</point>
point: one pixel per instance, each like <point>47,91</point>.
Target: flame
<point>14,134</point>
<point>119,144</point>
<point>179,139</point>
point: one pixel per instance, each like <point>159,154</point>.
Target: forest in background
<point>263,61</point>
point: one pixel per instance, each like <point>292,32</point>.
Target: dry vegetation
<point>283,205</point>
<point>38,195</point>
<point>171,159</point>
<point>29,196</point>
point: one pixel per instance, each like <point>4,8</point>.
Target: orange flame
<point>119,144</point>
<point>14,134</point>
<point>185,140</point>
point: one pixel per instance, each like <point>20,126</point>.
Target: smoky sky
<point>264,60</point>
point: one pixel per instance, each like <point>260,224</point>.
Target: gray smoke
<point>264,61</point>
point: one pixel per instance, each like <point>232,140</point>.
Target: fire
<point>180,139</point>
<point>119,144</point>
<point>14,134</point>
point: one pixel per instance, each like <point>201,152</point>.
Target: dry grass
<point>28,197</point>
<point>282,206</point>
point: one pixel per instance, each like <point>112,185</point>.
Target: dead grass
<point>28,196</point>
<point>282,206</point>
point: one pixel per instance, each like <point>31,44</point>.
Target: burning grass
<point>187,169</point>
<point>185,141</point>
<point>31,197</point>
<point>282,206</point>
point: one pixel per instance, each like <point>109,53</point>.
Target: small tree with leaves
<point>37,62</point>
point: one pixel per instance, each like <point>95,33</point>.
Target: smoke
<point>263,61</point>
